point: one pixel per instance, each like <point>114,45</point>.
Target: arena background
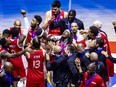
<point>87,11</point>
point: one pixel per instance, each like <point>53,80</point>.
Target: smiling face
<point>65,34</point>
<point>34,22</point>
<point>71,16</point>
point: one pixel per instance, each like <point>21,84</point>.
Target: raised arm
<point>46,20</point>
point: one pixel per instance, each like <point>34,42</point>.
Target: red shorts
<point>19,69</point>
<point>19,73</point>
<point>110,67</point>
<point>40,83</point>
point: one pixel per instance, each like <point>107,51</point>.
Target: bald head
<point>57,49</point>
<point>98,24</point>
<point>93,57</point>
<point>17,23</point>
<point>8,66</point>
<point>91,69</point>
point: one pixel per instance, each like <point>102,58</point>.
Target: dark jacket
<point>60,69</point>
<point>64,24</point>
<point>101,70</point>
<point>75,75</point>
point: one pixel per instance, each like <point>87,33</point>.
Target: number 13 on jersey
<point>36,64</point>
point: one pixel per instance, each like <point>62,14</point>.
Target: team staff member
<point>91,78</point>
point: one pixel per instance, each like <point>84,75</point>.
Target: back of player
<point>14,47</point>
<point>35,74</point>
<point>19,69</point>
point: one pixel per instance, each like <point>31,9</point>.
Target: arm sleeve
<point>73,69</point>
<point>57,62</point>
<point>48,65</point>
<point>54,24</point>
<point>26,22</point>
<point>112,59</point>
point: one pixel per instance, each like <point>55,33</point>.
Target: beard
<point>64,37</point>
<point>74,32</point>
<point>33,26</point>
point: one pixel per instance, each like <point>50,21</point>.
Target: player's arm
<point>25,31</point>
<point>48,65</point>
<point>46,20</point>
<point>6,54</point>
<point>26,21</point>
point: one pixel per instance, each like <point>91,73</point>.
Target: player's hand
<point>22,80</point>
<point>78,63</point>
<point>28,49</point>
<point>104,53</point>
<point>23,12</point>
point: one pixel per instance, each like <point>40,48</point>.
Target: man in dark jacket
<point>65,23</point>
<point>61,72</point>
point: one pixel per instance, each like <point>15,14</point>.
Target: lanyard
<point>63,45</point>
<point>90,80</point>
<point>75,37</point>
<point>34,32</point>
<point>57,18</point>
<point>70,55</point>
<point>9,78</point>
<point>69,27</point>
<point>56,57</point>
<point>99,50</point>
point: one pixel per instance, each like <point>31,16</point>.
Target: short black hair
<point>94,30</point>
<point>14,32</point>
<point>36,42</point>
<point>56,3</point>
<point>100,41</point>
<point>6,31</point>
<point>38,18</point>
<point>3,42</point>
<point>70,48</point>
<point>72,11</point>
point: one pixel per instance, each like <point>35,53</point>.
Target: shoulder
<point>78,20</point>
<point>98,77</point>
<point>44,52</point>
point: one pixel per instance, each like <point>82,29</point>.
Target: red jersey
<point>63,46</point>
<point>20,31</point>
<point>106,43</point>
<point>31,35</point>
<point>79,39</point>
<point>56,31</point>
<point>35,72</point>
<point>19,69</point>
<point>94,81</point>
<point>14,47</point>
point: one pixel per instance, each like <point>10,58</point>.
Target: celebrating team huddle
<point>60,53</point>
